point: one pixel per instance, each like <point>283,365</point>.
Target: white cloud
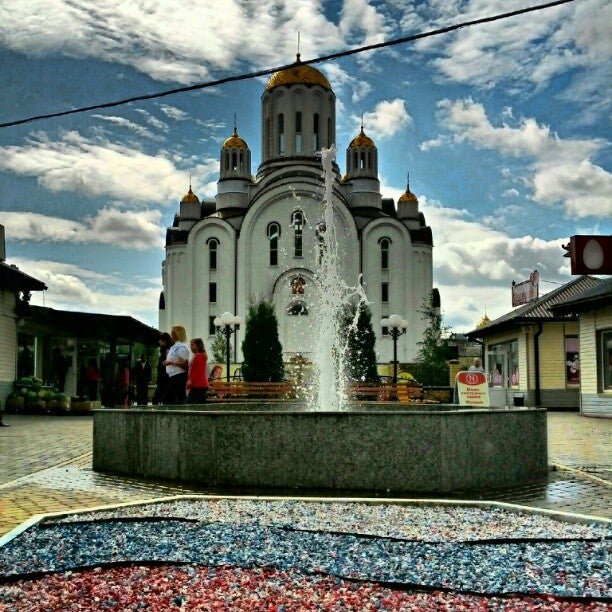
<point>387,118</point>
<point>98,167</point>
<point>562,171</point>
<point>510,193</point>
<point>138,129</point>
<point>144,35</point>
<point>125,229</point>
<point>71,287</point>
<point>173,112</point>
<point>153,120</point>
<point>438,141</point>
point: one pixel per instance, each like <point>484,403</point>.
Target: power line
<point>258,73</point>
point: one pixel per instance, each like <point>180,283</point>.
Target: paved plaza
<point>45,466</point>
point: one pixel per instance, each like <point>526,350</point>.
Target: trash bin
<point>519,399</point>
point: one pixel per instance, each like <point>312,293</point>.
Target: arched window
<point>298,132</point>
<point>268,138</point>
<point>273,236</point>
<point>384,253</point>
<point>329,132</point>
<point>297,309</point>
<point>315,132</point>
<point>234,160</point>
<point>213,246</point>
<point>281,134</point>
<point>297,220</point>
<point>362,160</point>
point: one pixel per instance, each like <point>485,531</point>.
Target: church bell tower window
<point>281,134</point>
<point>298,132</point>
<point>315,132</point>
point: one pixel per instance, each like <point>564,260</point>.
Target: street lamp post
<point>228,324</point>
<point>397,326</point>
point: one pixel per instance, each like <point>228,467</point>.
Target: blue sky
<point>504,128</point>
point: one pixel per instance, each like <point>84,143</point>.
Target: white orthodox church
<point>260,237</point>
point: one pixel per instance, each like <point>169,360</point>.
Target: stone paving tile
<point>33,445</point>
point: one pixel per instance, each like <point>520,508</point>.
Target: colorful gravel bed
<point>434,523</point>
<point>249,590</point>
<point>297,555</point>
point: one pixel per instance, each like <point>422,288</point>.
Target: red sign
<point>473,388</point>
<point>590,254</point>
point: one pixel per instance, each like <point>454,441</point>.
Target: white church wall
<point>399,276</point>
<point>202,276</point>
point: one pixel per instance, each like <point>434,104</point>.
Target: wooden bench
<point>385,392</point>
<point>252,390</point>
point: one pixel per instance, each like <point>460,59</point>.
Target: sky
<point>504,128</point>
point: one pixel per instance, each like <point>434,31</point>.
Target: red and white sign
<point>473,389</point>
<point>590,254</point>
<point>527,291</point>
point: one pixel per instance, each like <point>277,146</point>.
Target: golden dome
<point>190,198</point>
<point>361,140</point>
<point>298,74</point>
<point>408,196</point>
<point>234,142</point>
<point>484,321</point>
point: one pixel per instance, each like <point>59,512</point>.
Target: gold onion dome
<point>190,198</point>
<point>298,74</point>
<point>361,140</point>
<point>484,321</point>
<point>408,196</point>
<point>234,142</point>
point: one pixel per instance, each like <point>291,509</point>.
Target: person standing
<point>161,382</point>
<point>92,379</point>
<point>177,363</point>
<point>122,384</point>
<point>197,381</point>
<point>476,365</point>
<point>142,377</point>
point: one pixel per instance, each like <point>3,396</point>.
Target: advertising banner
<point>527,291</point>
<point>473,389</point>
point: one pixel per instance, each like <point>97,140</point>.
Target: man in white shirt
<point>476,366</point>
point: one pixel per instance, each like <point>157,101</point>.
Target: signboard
<point>473,389</point>
<point>527,291</point>
<point>590,254</point>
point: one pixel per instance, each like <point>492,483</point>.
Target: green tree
<point>360,344</point>
<point>261,348</point>
<point>218,348</point>
<point>431,368</point>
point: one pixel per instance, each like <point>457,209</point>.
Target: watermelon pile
<point>31,396</point>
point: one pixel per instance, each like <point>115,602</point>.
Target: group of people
<point>181,370</point>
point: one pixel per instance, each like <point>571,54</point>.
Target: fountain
<point>330,444</point>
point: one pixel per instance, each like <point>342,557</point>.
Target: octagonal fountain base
<point>373,447</point>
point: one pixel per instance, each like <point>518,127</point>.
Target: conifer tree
<point>432,367</point>
<point>361,345</point>
<point>261,348</point>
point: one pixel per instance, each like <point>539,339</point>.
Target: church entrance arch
<point>294,295</point>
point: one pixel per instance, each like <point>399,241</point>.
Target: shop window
<point>26,355</point>
<point>605,365</point>
<point>503,365</point>
<point>572,361</point>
